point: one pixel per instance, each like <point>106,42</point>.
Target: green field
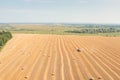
<point>63,29</point>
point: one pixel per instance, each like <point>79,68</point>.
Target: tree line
<point>4,37</point>
<point>95,30</point>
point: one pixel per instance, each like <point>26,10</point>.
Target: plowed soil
<point>55,57</point>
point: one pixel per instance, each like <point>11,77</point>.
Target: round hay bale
<point>52,74</point>
<point>99,77</point>
<point>26,77</point>
<point>91,78</point>
<point>79,50</point>
<point>48,56</point>
<point>22,68</point>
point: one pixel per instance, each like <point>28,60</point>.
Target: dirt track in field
<point>55,57</point>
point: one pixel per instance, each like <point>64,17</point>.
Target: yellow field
<point>55,57</point>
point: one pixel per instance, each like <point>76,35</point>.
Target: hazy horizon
<point>60,11</point>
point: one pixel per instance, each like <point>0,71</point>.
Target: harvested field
<point>55,57</point>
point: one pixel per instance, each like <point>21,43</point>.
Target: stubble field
<point>55,57</point>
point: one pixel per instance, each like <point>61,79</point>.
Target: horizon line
<point>56,23</point>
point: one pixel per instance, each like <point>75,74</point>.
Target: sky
<point>60,11</point>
